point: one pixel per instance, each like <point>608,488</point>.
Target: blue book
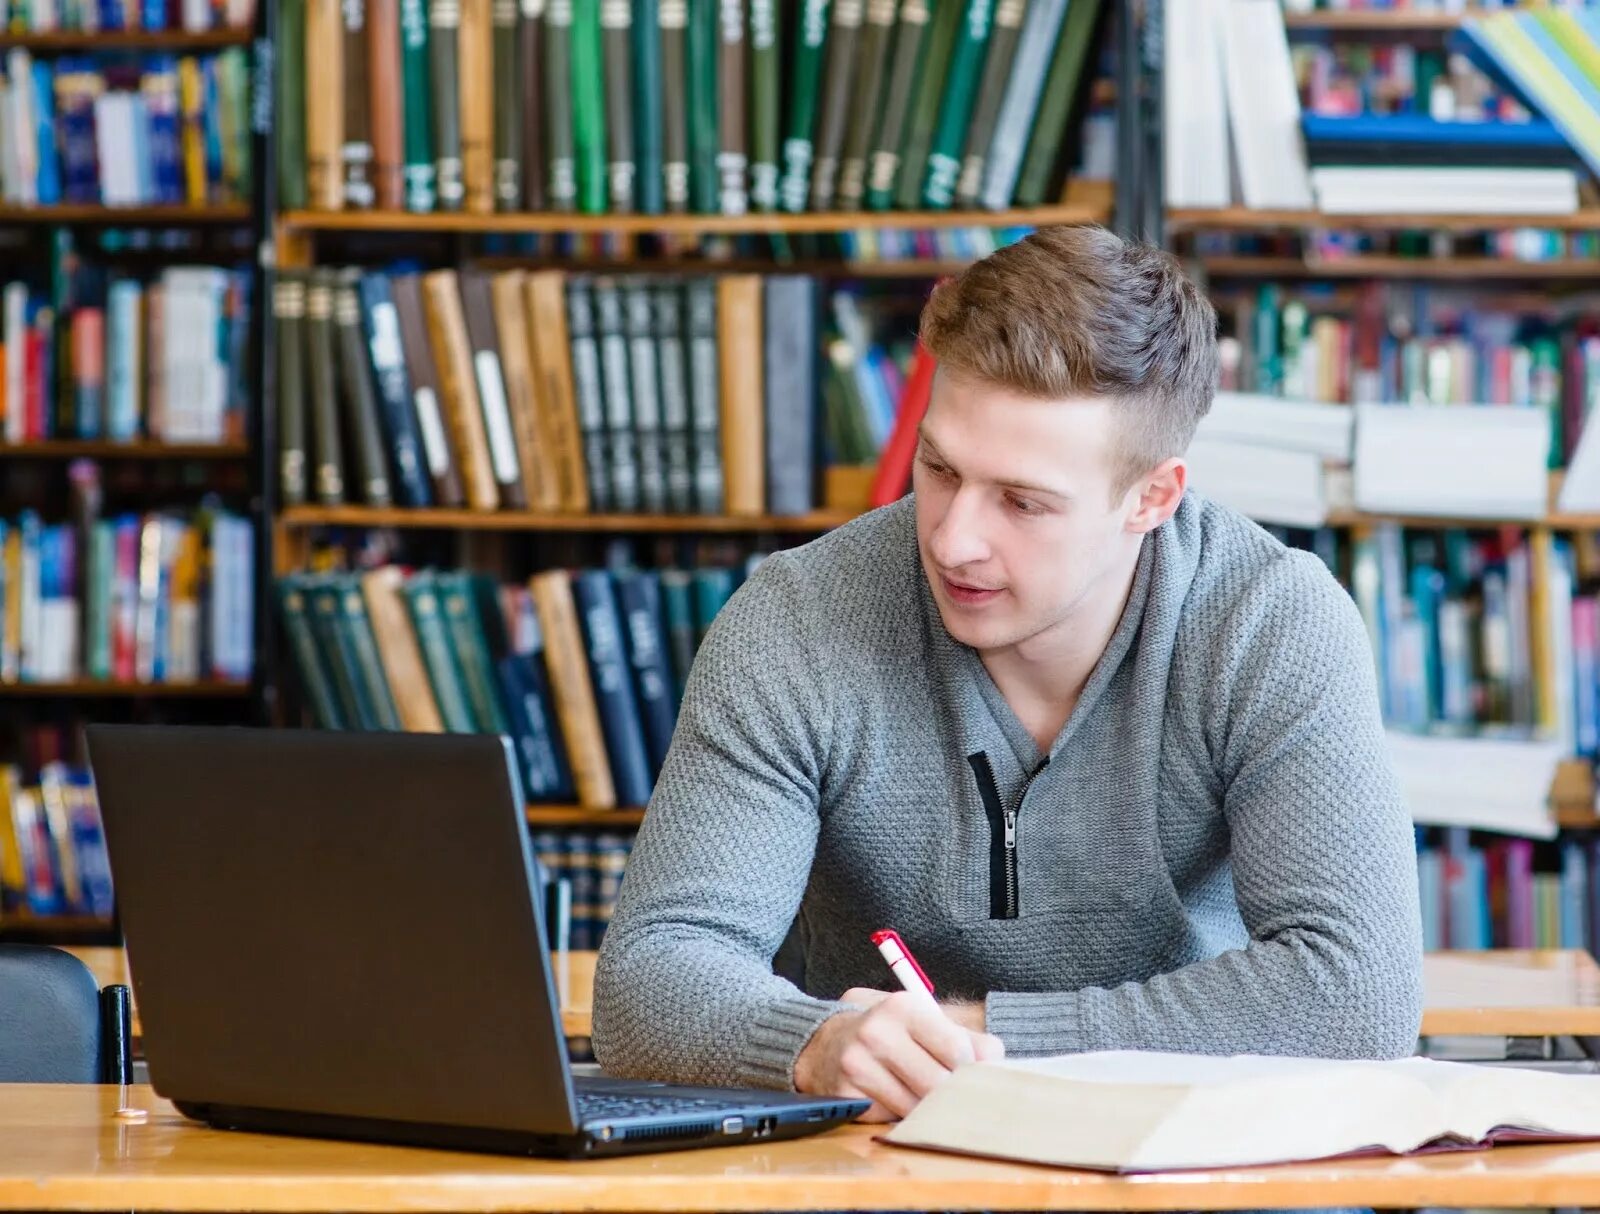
<point>713,587</point>
<point>211,123</point>
<point>143,162</point>
<point>44,114</point>
<point>1430,880</point>
<point>639,594</point>
<point>381,324</point>
<point>1574,895</point>
<point>677,597</point>
<point>1419,131</point>
<point>153,14</point>
<point>159,85</point>
<point>123,374</point>
<point>620,721</point>
<point>89,845</point>
<point>1427,588</point>
<point>110,14</point>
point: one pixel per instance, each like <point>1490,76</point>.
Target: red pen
<point>903,965</point>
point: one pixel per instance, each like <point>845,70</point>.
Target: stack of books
<point>52,847</point>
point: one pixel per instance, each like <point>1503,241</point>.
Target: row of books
<point>660,106</point>
<point>123,359</point>
<point>1479,892</point>
<point>583,874</point>
<point>111,16</point>
<point>125,130</point>
<point>583,670</point>
<point>1351,78</point>
<point>518,390</point>
<point>1330,246</point>
<point>52,847</point>
<point>1413,345</point>
<point>154,598</point>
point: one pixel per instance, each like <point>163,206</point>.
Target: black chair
<point>56,1024</point>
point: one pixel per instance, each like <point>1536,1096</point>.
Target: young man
<point>1108,756</point>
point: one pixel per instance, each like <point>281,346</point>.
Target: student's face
<point>1015,518</point>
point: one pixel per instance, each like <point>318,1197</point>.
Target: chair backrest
<point>56,1025</point>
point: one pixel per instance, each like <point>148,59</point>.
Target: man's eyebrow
<point>1025,486</point>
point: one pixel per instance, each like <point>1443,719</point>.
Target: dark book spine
<point>1061,89</point>
<point>562,182</point>
<point>356,374</point>
<point>386,102</point>
<point>877,26</point>
<point>418,128</point>
<point>532,745</point>
<point>382,326</point>
<point>589,107</point>
<point>705,396</point>
<point>804,81</point>
<point>644,624</point>
<point>362,645</point>
<point>613,687</point>
<point>645,378</point>
<point>322,595</point>
<point>955,107</point>
<point>624,460</point>
<point>677,601</point>
<point>672,362</point>
<point>765,95</point>
<point>329,481</point>
<point>702,86</point>
<point>309,662</point>
<point>440,459</point>
<point>477,304</point>
<point>289,312</point>
<point>616,46</point>
<point>589,394</point>
<point>356,151</point>
<point>732,159</point>
<point>838,79</point>
<point>530,37</point>
<point>883,166</point>
<point>509,85</point>
<point>1008,17</point>
<point>931,84</point>
<point>438,653</point>
<point>791,388</point>
<point>291,115</point>
<point>647,105</point>
<point>471,649</point>
<point>444,36</point>
<point>674,25</point>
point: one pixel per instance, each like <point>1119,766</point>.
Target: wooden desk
<point>60,1149</point>
<point>1511,993</point>
<point>110,968</point>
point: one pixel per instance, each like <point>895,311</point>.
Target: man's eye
<point>1023,506</point>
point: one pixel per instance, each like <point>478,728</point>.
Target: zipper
<point>1003,893</point>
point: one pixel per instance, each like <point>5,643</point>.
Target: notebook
<point>1132,1111</point>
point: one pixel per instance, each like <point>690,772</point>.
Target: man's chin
<point>973,632</point>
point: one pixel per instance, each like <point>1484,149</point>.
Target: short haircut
<point>1076,312</point>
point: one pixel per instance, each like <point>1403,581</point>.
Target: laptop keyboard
<point>602,1106</point>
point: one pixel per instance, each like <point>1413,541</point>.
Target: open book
<point>1131,1111</point>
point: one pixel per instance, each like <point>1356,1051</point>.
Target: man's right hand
<point>893,1054</point>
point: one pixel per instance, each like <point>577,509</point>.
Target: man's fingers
<point>949,1044</point>
<point>862,1070</point>
<point>863,996</point>
<point>987,1047</point>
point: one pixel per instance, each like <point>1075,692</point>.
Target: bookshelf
<point>174,215</point>
<point>91,689</point>
<point>577,816</point>
<point>1243,219</point>
<point>1370,265</point>
<point>299,517</point>
<point>77,41</point>
<point>143,449</point>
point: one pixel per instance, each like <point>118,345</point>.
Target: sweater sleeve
<point>684,988</point>
<point>1322,855</point>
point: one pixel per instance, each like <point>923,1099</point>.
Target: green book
<point>322,596</point>
<point>674,25</point>
<point>997,67</point>
<point>701,66</point>
<point>360,642</point>
<point>616,48</point>
<point>677,600</point>
<point>764,102</point>
<point>508,77</point>
<point>647,109</point>
<point>556,80</point>
<point>438,653</point>
<point>955,109</point>
<point>308,659</point>
<point>883,164</point>
<point>97,622</point>
<point>292,104</point>
<point>804,86</point>
<point>415,87</point>
<point>588,107</point>
<point>833,109</point>
<point>877,28</point>
<point>444,41</point>
<point>465,629</point>
<point>931,76</point>
<point>1055,106</point>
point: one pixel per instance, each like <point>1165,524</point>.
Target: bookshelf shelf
<point>127,40</point>
<point>126,216</point>
<point>898,269</point>
<point>77,448</point>
<point>1088,211</point>
<point>526,520</point>
<point>574,815</point>
<point>94,689</point>
<point>1467,269</point>
<point>1390,21</point>
<point>46,928</point>
<point>1247,219</point>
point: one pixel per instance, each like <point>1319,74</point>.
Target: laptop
<point>340,935</point>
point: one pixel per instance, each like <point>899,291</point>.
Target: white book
<point>24,133</point>
<point>1483,783</point>
<point>1268,484</point>
<point>1370,190</point>
<point>1295,425</point>
<point>1264,107</point>
<point>1131,1111</point>
<point>1195,106</point>
<point>1460,461</point>
<point>16,331</point>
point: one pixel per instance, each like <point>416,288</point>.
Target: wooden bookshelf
<point>67,448</point>
<point>1248,219</point>
<point>1454,269</point>
<point>1385,21</point>
<point>96,689</point>
<point>1090,210</point>
<point>528,520</point>
<point>906,270</point>
<point>575,815</point>
<point>176,41</point>
<point>45,929</point>
<point>127,216</point>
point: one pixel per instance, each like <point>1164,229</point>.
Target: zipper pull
<point>1011,829</point>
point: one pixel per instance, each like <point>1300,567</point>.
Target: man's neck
<point>1043,677</point>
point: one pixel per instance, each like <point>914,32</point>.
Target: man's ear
<point>1157,495</point>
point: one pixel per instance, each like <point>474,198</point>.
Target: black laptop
<point>339,934</point>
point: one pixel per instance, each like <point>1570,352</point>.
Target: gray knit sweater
<point>1213,857</point>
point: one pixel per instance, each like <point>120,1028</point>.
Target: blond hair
<point>1075,312</point>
